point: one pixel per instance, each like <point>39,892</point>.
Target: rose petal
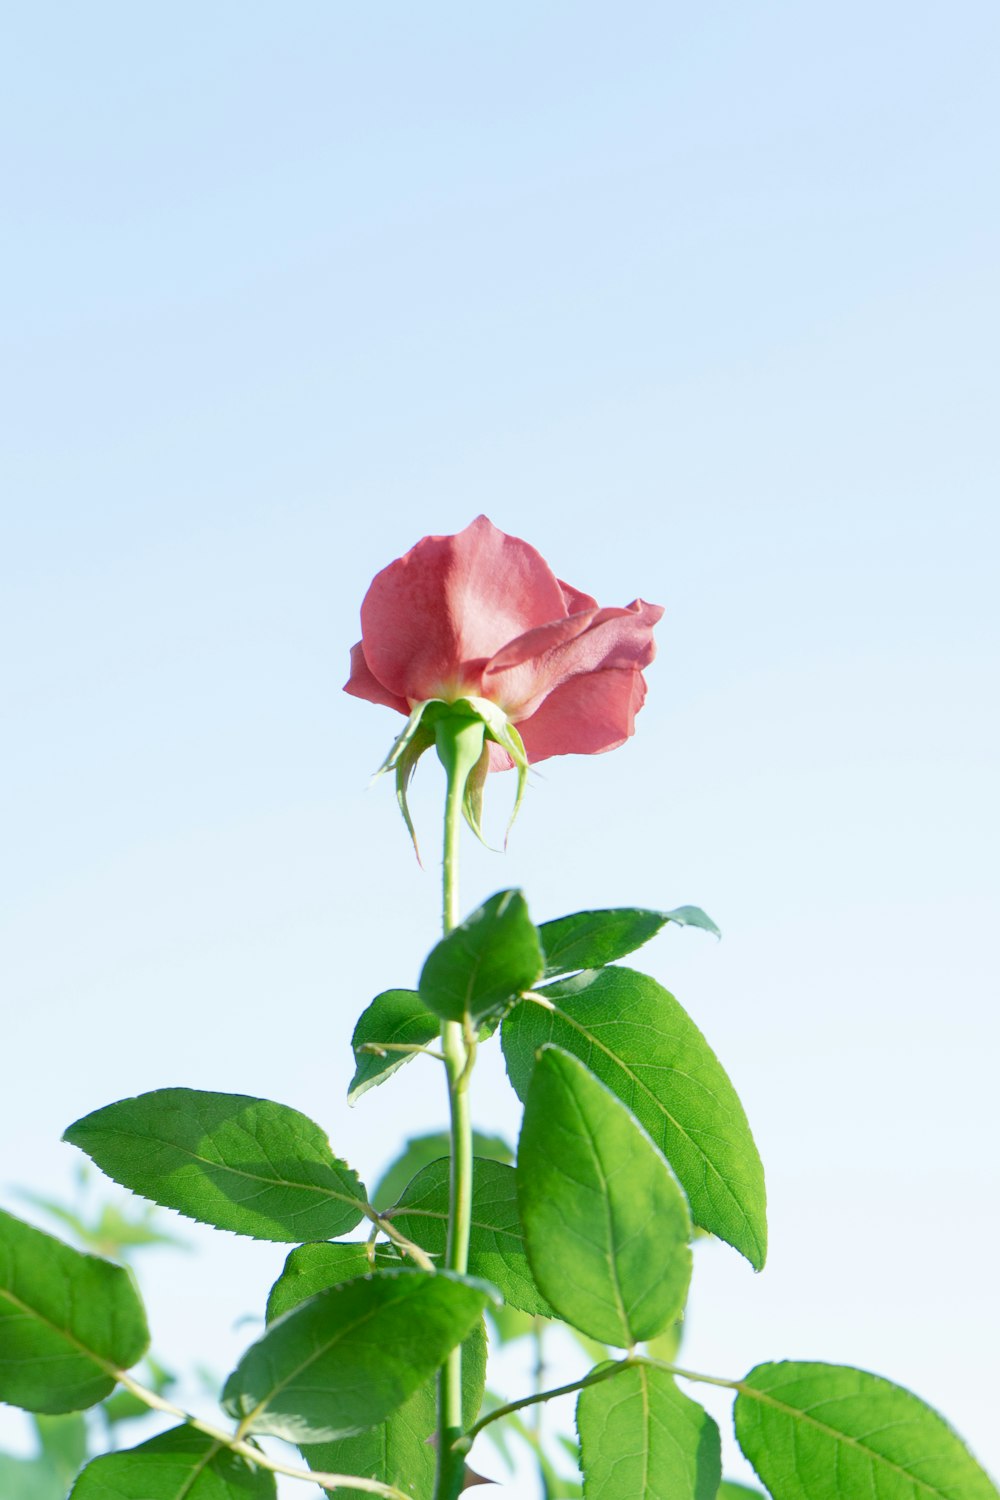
<point>525,671</point>
<point>432,619</point>
<point>576,599</point>
<point>585,715</point>
<point>363,684</point>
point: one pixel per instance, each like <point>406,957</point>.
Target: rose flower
<point>481,616</point>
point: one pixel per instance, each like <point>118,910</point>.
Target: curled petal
<point>432,619</point>
<point>585,715</point>
<point>364,684</point>
<point>526,671</point>
<point>576,599</point>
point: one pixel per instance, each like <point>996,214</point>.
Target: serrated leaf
<point>243,1164</point>
<point>496,1240</point>
<point>483,962</point>
<point>67,1319</point>
<point>182,1464</point>
<point>830,1432</point>
<point>398,1450</point>
<point>420,1150</point>
<point>641,1436</point>
<point>605,1225</point>
<point>397,1017</point>
<point>347,1357</point>
<point>641,1043</point>
<point>591,939</point>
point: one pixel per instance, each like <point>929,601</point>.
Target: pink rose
<point>482,616</point>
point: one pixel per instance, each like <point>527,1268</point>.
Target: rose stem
<point>459,746</point>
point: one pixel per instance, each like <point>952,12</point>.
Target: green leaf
<point>30,1479</point>
<point>347,1357</point>
<point>63,1441</point>
<point>397,1451</point>
<point>830,1432</point>
<point>483,962</point>
<point>641,1436</point>
<point>181,1464</point>
<point>397,1017</point>
<point>248,1165</point>
<point>591,939</point>
<point>420,1150</point>
<point>640,1042</point>
<point>313,1268</point>
<point>67,1320</point>
<point>730,1490</point>
<point>605,1225</point>
<point>496,1241</point>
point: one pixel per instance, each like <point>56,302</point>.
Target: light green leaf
<point>641,1436</point>
<point>67,1320</point>
<point>420,1150</point>
<point>30,1479</point>
<point>641,1043</point>
<point>591,939</point>
<point>605,1225</point>
<point>238,1163</point>
<point>397,1017</point>
<point>397,1451</point>
<point>181,1464</point>
<point>63,1441</point>
<point>496,1241</point>
<point>483,962</point>
<point>830,1432</point>
<point>347,1357</point>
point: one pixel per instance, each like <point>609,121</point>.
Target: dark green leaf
<point>66,1320</point>
<point>490,957</point>
<point>636,1038</point>
<point>347,1357</point>
<point>605,1224</point>
<point>248,1165</point>
<point>420,1150</point>
<point>730,1490</point>
<point>641,1436</point>
<point>591,939</point>
<point>397,1451</point>
<point>830,1432</point>
<point>396,1017</point>
<point>496,1241</point>
<point>181,1464</point>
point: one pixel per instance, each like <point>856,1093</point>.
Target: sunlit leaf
<point>238,1163</point>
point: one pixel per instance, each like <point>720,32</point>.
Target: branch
<point>256,1455</point>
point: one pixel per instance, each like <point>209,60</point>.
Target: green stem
<point>458,747</point>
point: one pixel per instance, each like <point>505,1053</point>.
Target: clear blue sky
<point>701,301</point>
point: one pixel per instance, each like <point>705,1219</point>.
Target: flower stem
<point>459,746</point>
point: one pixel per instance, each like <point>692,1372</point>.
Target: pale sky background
<point>703,302</point>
